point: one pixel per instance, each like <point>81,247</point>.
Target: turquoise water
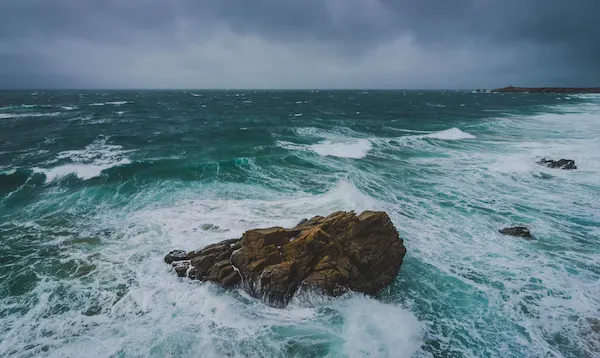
<point>96,186</point>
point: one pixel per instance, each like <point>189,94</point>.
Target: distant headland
<point>511,89</point>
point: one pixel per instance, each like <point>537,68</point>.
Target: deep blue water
<point>96,186</point>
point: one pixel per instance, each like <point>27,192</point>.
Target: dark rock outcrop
<point>511,89</point>
<point>520,231</point>
<point>175,255</point>
<point>181,267</point>
<point>567,164</point>
<point>332,255</point>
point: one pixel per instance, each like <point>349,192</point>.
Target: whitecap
<point>450,134</point>
<point>7,170</point>
<point>298,115</point>
<point>26,115</point>
<point>356,149</point>
<point>82,171</point>
<point>19,106</point>
<point>118,103</point>
<point>404,130</point>
<point>86,163</point>
<point>435,105</point>
<point>67,108</point>
<point>333,144</point>
<point>96,104</point>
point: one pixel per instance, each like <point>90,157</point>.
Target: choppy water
<point>96,187</point>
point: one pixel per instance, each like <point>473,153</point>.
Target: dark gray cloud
<point>292,44</point>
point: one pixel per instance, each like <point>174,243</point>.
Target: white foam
<point>335,144</point>
<point>450,134</point>
<point>27,115</point>
<point>18,106</point>
<point>118,103</point>
<point>405,130</point>
<point>86,163</point>
<point>96,104</point>
<point>82,171</point>
<point>67,108</point>
<point>7,170</point>
<point>435,105</point>
<point>356,148</point>
<point>373,328</point>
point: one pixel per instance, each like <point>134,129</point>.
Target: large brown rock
<point>330,254</point>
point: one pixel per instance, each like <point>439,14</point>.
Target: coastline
<point>511,89</point>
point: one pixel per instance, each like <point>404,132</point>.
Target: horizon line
<point>240,89</point>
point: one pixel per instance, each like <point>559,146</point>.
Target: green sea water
<point>95,187</point>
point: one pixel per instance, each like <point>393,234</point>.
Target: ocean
<point>96,186</point>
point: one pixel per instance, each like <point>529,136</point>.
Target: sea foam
<point>332,144</point>
<point>82,171</point>
<point>86,163</point>
<point>27,115</point>
<point>450,134</point>
<point>356,148</point>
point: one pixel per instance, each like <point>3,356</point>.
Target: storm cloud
<point>298,44</point>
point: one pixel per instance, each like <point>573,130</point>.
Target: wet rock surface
<point>331,255</point>
<point>566,164</point>
<point>519,231</point>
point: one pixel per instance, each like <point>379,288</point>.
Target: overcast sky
<point>298,44</point>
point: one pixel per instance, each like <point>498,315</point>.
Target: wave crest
<point>86,163</point>
<point>450,134</point>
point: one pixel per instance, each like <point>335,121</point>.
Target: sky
<point>235,44</point>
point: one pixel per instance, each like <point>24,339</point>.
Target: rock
<point>302,222</point>
<point>207,227</point>
<point>561,164</point>
<point>181,267</point>
<point>212,263</point>
<point>520,231</point>
<point>175,255</point>
<point>331,255</point>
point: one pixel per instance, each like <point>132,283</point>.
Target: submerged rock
<point>332,255</point>
<point>560,164</point>
<point>520,231</point>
